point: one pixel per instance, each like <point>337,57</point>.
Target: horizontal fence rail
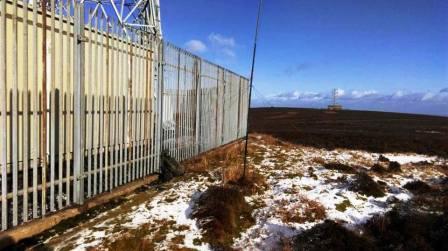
<point>87,105</point>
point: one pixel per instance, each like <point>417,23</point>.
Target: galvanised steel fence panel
<point>193,124</point>
<point>87,106</point>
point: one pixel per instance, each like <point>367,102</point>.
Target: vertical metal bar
<point>122,117</point>
<point>53,107</point>
<point>128,83</point>
<point>114,155</point>
<point>160,100</point>
<point>106,109</point>
<point>3,124</point>
<point>79,114</point>
<point>239,107</point>
<point>148,121</point>
<point>111,110</point>
<point>217,107</point>
<point>139,121</point>
<point>95,105</point>
<point>35,94</point>
<point>67,103</point>
<point>183,111</point>
<point>177,107</point>
<point>184,108</point>
<point>26,113</point>
<point>152,107</point>
<point>60,99</point>
<point>134,109</point>
<point>15,117</point>
<point>198,106</point>
<point>101,100</point>
<point>251,82</point>
<point>142,111</point>
<point>136,97</point>
<point>43,140</point>
<point>90,105</point>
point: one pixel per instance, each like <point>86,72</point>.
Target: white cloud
<point>228,52</point>
<point>428,96</point>
<point>195,46</point>
<point>223,46</point>
<point>222,41</point>
<point>430,102</point>
<point>340,92</point>
<point>361,94</point>
<point>398,94</point>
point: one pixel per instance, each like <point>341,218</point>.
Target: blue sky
<point>374,48</point>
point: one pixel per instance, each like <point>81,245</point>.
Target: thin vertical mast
<point>251,83</point>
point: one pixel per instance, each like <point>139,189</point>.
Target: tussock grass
<point>302,211</point>
<point>417,187</point>
<point>331,236</point>
<point>365,185</point>
<point>222,213</point>
<point>398,230</point>
<point>339,167</point>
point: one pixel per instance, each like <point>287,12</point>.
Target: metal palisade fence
<point>87,105</point>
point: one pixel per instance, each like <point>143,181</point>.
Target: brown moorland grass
<point>331,236</point>
<point>397,230</point>
<point>302,211</point>
<point>417,187</point>
<point>360,130</point>
<point>339,167</point>
<point>222,213</point>
<point>365,185</point>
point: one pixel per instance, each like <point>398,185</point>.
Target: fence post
<point>79,111</point>
<point>160,89</point>
<point>198,104</point>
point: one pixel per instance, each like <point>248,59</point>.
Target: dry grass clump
<point>394,167</point>
<point>378,168</point>
<point>270,140</point>
<point>222,213</point>
<point>339,167</point>
<point>417,187</point>
<point>331,236</point>
<point>365,185</point>
<point>398,230</point>
<point>302,211</point>
<point>319,160</point>
<point>223,156</point>
<point>251,183</point>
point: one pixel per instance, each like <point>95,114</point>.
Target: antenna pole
<point>334,96</point>
<point>251,84</point>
